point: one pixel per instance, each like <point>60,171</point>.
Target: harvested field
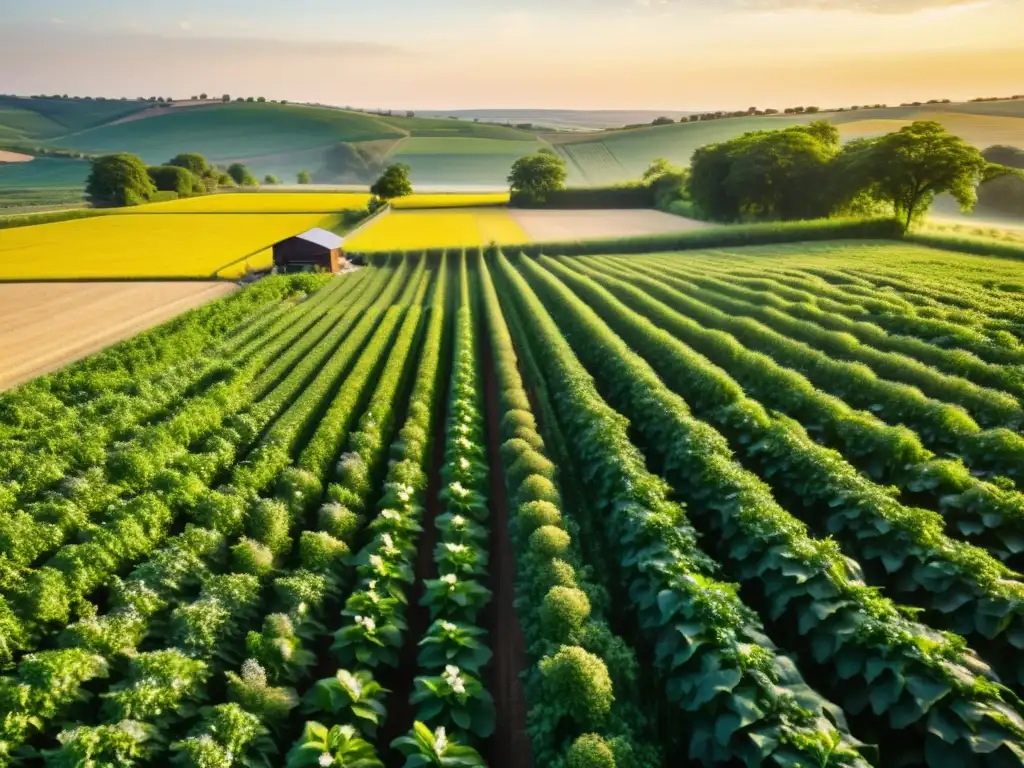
<point>48,325</point>
<point>546,225</point>
<point>13,157</point>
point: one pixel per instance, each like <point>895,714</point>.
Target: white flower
<point>463,429</point>
<point>368,624</point>
<point>284,648</point>
<point>458,521</point>
<point>350,682</point>
<point>376,562</point>
<point>464,443</point>
<point>450,579</point>
<point>389,543</point>
<point>451,676</point>
<point>464,462</point>
<point>404,494</point>
<point>455,549</point>
<point>447,626</point>
<point>440,741</point>
<point>458,686</point>
<point>451,670</point>
<point>458,489</point>
<point>326,759</point>
<point>390,514</point>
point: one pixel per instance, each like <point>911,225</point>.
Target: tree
<point>271,179</point>
<point>908,168</point>
<point>226,97</point>
<point>261,99</point>
<point>394,182</point>
<point>173,178</point>
<point>776,174</point>
<point>119,179</point>
<point>203,96</point>
<point>241,175</point>
<point>193,161</point>
<point>667,182</point>
<point>534,177</point>
<point>662,121</point>
<point>304,177</point>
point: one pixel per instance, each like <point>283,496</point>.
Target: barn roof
<point>321,237</point>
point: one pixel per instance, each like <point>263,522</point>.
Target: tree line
<point>124,179</point>
<point>804,172</point>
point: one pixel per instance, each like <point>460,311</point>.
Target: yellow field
<point>413,230</point>
<point>450,201</point>
<point>979,130</point>
<point>259,202</point>
<point>148,246</point>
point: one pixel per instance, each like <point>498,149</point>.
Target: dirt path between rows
<point>510,745</point>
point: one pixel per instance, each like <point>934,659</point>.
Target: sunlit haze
<point>586,54</point>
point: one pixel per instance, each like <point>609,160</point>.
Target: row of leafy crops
<point>468,509</point>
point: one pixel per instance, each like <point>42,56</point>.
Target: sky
<point>553,54</point>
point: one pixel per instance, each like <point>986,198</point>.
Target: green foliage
<point>393,182</point>
<point>171,178</point>
<point>120,179</point>
<point>590,751</point>
<point>534,178</point>
<point>423,747</point>
<point>304,177</point>
<point>563,613</point>
<point>340,746</point>
<point>241,175</point>
<point>191,161</point>
<point>350,698</point>
<point>579,681</point>
<point>908,168</point>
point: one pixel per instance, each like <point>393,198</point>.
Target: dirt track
<point>548,225</point>
<point>44,326</point>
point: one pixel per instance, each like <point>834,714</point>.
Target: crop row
<point>921,695</point>
<point>582,682</point>
<point>906,549</point>
<point>991,516</point>
<point>942,427</point>
<point>742,697</point>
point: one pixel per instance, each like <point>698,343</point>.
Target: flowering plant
<point>425,747</point>
<point>450,643</point>
<point>351,699</point>
<point>454,598</point>
<point>454,698</point>
<point>337,747</point>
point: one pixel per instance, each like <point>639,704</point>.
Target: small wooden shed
<point>311,251</point>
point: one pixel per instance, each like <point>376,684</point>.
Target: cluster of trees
<point>803,172</point>
<point>393,182</point>
<point>1005,194</point>
<point>124,179</point>
<point>535,177</point>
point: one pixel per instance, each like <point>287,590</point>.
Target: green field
<point>742,506</point>
<point>484,161</point>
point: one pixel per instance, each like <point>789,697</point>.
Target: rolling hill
<point>345,146</point>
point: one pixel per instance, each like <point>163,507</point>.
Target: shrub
<point>589,751</point>
<point>549,541</point>
<point>536,514</point>
<point>536,488</point>
<point>579,681</point>
<point>563,612</point>
<point>531,463</point>
<point>339,521</point>
<point>171,178</point>
<point>248,556</point>
<point>320,552</point>
<point>268,523</point>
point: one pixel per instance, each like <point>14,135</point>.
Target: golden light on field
<point>189,245</point>
<point>415,229</point>
<point>451,201</point>
<point>259,202</point>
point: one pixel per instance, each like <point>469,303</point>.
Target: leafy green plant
<point>454,698</point>
<point>447,643</point>
<point>423,747</point>
<point>351,698</point>
<point>339,746</point>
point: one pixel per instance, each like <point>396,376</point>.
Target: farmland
<point>301,518</point>
<point>149,246</point>
<point>414,229</point>
<point>46,325</point>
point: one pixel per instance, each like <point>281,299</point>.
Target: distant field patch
<point>464,146</point>
<point>980,130</point>
<point>451,200</point>
<point>595,161</point>
<point>416,229</point>
<point>14,157</point>
<point>44,172</point>
<point>461,160</point>
<point>142,246</point>
<point>259,202</point>
<point>546,225</point>
<point>48,325</point>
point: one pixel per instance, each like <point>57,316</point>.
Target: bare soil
<point>14,157</point>
<point>45,326</point>
<point>547,225</point>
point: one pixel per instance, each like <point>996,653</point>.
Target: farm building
<point>316,249</point>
